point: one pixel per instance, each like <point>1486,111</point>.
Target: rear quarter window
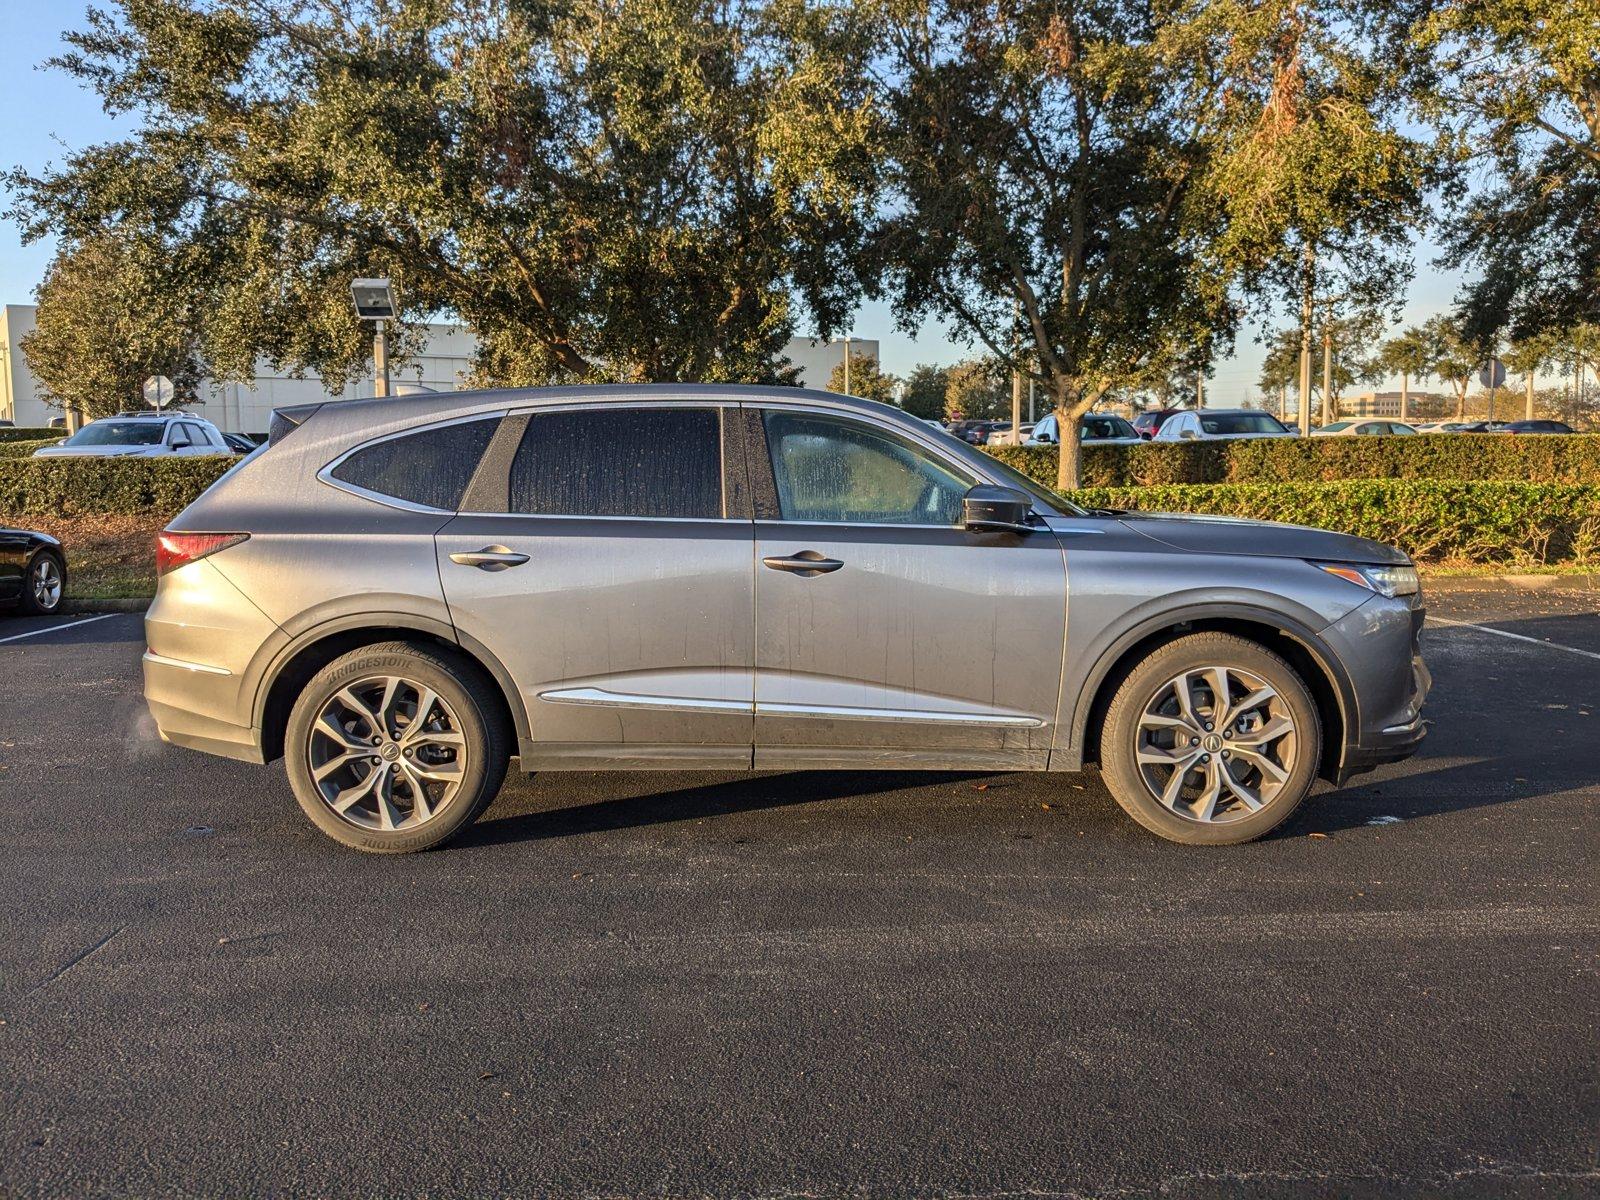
<point>431,467</point>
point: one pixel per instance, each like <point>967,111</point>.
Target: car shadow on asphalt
<point>751,793</point>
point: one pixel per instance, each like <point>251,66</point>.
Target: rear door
<point>602,555</point>
<point>885,631</point>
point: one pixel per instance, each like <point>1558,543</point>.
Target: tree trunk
<point>1405,396</point>
<point>1461,402</point>
<point>1327,375</point>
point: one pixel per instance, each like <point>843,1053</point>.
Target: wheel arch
<point>1321,670</point>
<point>295,663</point>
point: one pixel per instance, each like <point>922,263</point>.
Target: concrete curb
<point>1446,584</point>
<point>136,604</point>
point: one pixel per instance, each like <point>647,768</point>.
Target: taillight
<point>174,550</point>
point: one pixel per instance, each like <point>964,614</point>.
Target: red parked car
<point>1146,423</point>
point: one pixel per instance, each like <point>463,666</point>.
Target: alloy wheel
<point>46,583</point>
<point>387,753</point>
<point>1216,744</point>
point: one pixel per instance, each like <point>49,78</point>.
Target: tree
<point>1040,163</point>
<point>637,191</point>
<point>1322,184</point>
<point>976,390</point>
<point>866,380</point>
<point>1527,357</point>
<point>924,392</point>
<point>1408,354</point>
<point>1514,86</point>
<point>112,313</point>
<point>1451,358</point>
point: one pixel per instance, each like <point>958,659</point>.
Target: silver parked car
<point>399,596</point>
<point>141,435</point>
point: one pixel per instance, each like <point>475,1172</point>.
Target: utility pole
<point>1016,375</point>
<point>1200,389</point>
<point>1308,282</point>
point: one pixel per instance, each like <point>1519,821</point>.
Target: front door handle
<point>807,563</point>
<point>490,558</point>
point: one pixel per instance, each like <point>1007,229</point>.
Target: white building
<point>246,408</point>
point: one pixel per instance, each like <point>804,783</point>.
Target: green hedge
<point>1497,524</point>
<point>28,433</point>
<point>127,486</point>
<point>1541,459</point>
<point>1493,523</point>
<point>21,449</point>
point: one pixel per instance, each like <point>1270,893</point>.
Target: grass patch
<point>108,557</point>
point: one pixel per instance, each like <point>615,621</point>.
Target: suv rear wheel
<point>1212,740</point>
<point>395,748</point>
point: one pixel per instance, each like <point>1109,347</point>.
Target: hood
<point>90,451</point>
<point>1233,535</point>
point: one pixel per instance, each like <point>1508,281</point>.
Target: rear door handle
<point>807,563</point>
<point>490,558</point>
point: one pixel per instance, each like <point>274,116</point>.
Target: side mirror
<point>1187,434</point>
<point>988,508</point>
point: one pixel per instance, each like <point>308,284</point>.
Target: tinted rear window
<point>1239,423</point>
<point>664,462</point>
<point>431,467</point>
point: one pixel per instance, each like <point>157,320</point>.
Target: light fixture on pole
<point>375,301</point>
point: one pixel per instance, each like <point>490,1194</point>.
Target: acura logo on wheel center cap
<point>1212,743</point>
<point>390,751</point>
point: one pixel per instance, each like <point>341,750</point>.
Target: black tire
<point>28,603</point>
<point>469,700</point>
<point>1149,682</point>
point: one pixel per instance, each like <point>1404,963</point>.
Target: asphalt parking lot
<point>807,985</point>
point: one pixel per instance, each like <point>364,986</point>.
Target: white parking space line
<point>17,637</point>
<point>1516,637</point>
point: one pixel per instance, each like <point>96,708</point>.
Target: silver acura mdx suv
<point>398,596</point>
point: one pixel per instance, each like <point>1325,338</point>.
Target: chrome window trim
<point>326,474</point>
<point>594,517</point>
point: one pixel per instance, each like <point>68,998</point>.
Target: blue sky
<point>43,114</point>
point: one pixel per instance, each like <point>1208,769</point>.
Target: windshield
<point>119,433</point>
<point>1106,427</point>
<point>1240,423</point>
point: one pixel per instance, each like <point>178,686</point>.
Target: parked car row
<point>1213,424</point>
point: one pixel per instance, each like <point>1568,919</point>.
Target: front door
<point>606,572</point>
<point>885,631</point>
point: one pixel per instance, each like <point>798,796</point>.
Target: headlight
<point>1386,581</point>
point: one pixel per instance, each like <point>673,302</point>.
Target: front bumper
<point>1381,646</point>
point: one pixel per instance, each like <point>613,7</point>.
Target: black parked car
<point>33,572</point>
<point>1538,427</point>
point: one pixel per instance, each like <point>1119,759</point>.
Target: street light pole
<point>847,364</point>
<point>376,302</point>
<point>380,359</point>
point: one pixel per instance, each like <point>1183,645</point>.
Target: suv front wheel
<point>396,747</point>
<point>1211,740</point>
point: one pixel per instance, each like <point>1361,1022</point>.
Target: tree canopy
<point>647,190</point>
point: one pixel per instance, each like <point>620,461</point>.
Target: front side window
<point>618,462</point>
<point>1097,428</point>
<point>431,467</point>
<point>833,470</point>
